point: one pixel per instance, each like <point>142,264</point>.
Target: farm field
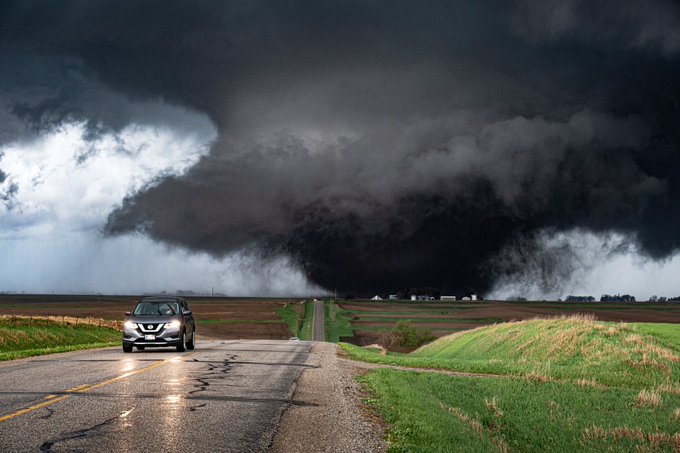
<point>224,318</point>
<point>368,320</point>
<point>357,322</point>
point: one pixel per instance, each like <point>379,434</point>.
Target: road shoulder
<point>330,415</point>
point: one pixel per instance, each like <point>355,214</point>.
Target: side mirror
<point>127,313</point>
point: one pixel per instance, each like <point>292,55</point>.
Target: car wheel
<point>180,345</point>
<point>140,348</point>
<point>127,348</point>
<point>192,342</point>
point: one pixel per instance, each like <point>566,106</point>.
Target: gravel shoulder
<point>329,415</point>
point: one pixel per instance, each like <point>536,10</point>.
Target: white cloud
<point>65,182</point>
<point>82,262</point>
<point>65,188</point>
<point>584,263</point>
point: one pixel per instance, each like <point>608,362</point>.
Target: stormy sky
<point>286,147</point>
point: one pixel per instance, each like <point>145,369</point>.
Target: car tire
<point>191,344</point>
<point>180,345</point>
<point>140,348</point>
<point>127,348</point>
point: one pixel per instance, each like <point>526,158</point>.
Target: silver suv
<point>157,322</point>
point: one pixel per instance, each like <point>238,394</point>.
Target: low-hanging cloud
<point>381,145</point>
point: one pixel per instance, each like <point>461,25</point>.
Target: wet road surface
<point>224,396</point>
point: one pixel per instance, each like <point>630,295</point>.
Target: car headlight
<point>175,324</point>
<point>130,325</point>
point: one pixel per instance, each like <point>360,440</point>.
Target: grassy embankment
<point>560,385</point>
<point>299,324</point>
<point>337,322</point>
<point>27,337</point>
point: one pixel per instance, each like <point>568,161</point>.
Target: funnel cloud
<point>377,145</point>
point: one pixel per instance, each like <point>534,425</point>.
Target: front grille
<point>150,327</point>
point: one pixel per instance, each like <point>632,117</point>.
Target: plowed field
<point>370,319</point>
<point>224,318</point>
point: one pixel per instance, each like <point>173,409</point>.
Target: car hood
<point>153,319</point>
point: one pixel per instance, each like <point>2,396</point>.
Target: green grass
<point>409,360</point>
<point>292,319</point>
<point>11,355</point>
<point>305,332</point>
<point>666,334</point>
<point>337,322</point>
<point>567,384</point>
<point>23,338</point>
<point>429,412</point>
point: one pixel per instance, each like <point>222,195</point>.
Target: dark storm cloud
<point>652,25</point>
<point>383,145</point>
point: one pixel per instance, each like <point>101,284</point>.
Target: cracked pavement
<point>224,396</point>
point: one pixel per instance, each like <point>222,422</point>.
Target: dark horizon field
<point>258,318</point>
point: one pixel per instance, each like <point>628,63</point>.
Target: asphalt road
<point>318,331</point>
<point>225,396</point>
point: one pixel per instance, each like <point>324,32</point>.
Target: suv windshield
<point>163,308</point>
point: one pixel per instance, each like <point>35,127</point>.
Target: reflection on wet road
<point>224,396</point>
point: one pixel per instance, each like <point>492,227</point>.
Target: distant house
<point>466,298</point>
<point>376,297</point>
<point>447,298</point>
<point>392,297</point>
<point>473,297</point>
<point>423,297</point>
<point>414,297</point>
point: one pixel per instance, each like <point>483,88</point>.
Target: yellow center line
<point>76,389</point>
<point>52,399</point>
<point>123,376</point>
<point>32,408</point>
